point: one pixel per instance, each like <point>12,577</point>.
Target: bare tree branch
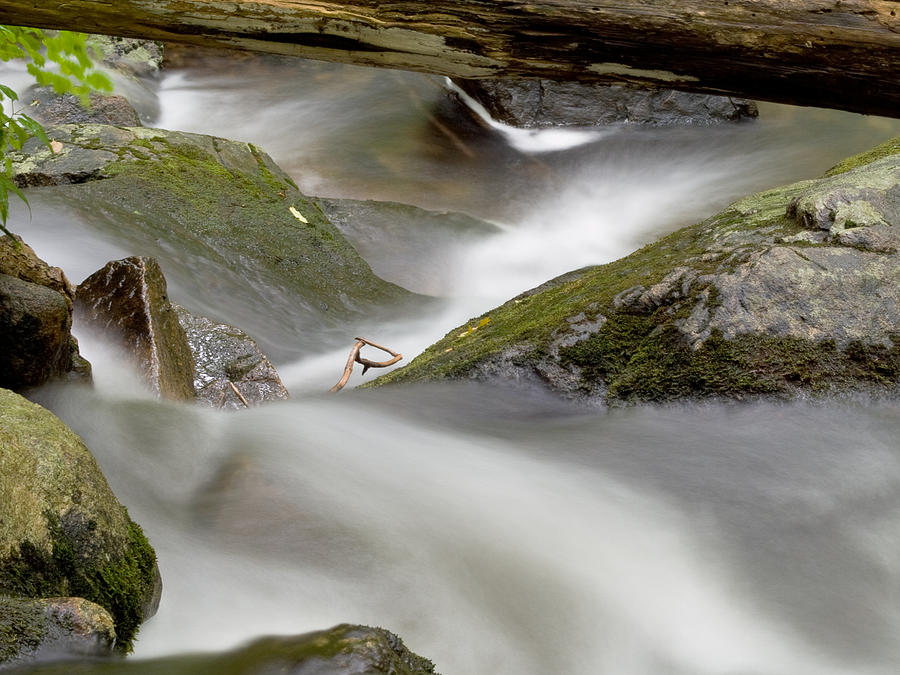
<point>366,363</point>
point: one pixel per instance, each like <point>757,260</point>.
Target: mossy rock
<point>784,293</point>
<point>62,530</point>
<point>210,208</point>
<point>360,650</point>
<point>48,628</point>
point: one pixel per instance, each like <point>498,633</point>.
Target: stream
<point>498,531</point>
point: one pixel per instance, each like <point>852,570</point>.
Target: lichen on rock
<point>787,292</point>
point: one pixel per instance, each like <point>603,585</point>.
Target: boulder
<point>36,344</point>
<point>53,628</point>
<point>63,533</point>
<point>127,300</point>
<point>530,102</point>
<point>789,292</point>
<point>52,109</point>
<point>227,222</point>
<point>225,355</point>
<point>342,650</point>
<point>19,260</point>
<point>138,58</point>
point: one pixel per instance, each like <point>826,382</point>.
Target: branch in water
<point>366,363</point>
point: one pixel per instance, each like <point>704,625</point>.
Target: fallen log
<point>831,53</point>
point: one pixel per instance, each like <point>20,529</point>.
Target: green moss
<point>891,147</point>
<point>636,362</point>
<point>22,627</point>
<point>120,585</point>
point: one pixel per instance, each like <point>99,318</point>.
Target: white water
<point>499,531</point>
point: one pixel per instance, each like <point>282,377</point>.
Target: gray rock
<point>138,58</point>
<point>63,533</point>
<point>52,109</point>
<point>410,246</point>
<point>790,292</point>
<point>19,260</point>
<point>529,102</point>
<point>224,354</point>
<point>52,629</point>
<point>342,650</point>
<point>221,212</point>
<point>35,342</point>
<point>127,301</point>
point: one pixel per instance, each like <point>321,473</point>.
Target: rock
<point>138,58</point>
<point>127,301</point>
<point>342,650</point>
<point>63,533</point>
<point>217,213</point>
<point>245,490</point>
<point>789,292</point>
<point>21,261</point>
<point>388,234</point>
<point>224,354</point>
<point>35,342</point>
<point>53,628</point>
<point>52,109</point>
<point>529,102</point>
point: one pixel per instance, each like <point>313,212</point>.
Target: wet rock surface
<point>127,302</point>
<point>215,208</point>
<point>342,650</point>
<point>36,344</point>
<point>225,355</point>
<point>531,103</point>
<point>63,533</point>
<point>53,628</point>
<point>790,292</point>
<point>51,109</point>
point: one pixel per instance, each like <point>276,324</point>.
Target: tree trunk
<point>832,53</point>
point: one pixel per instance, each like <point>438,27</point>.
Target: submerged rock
<point>342,650</point>
<point>127,301</point>
<point>389,234</point>
<point>216,210</point>
<point>36,344</point>
<point>224,354</point>
<point>529,102</point>
<point>63,533</point>
<point>53,628</point>
<point>791,291</point>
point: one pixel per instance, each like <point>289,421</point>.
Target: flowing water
<point>498,531</point>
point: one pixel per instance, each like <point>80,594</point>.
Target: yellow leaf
<point>484,322</point>
<point>297,215</point>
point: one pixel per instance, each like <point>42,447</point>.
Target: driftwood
<point>831,53</point>
<point>366,363</point>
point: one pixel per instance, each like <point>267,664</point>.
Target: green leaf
<point>34,128</point>
<point>8,93</point>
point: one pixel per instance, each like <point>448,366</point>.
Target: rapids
<point>499,531</point>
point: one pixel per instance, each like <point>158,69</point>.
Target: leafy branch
<point>60,60</point>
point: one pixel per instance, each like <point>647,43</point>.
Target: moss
<point>891,147</point>
<point>530,320</point>
<point>120,585</point>
<point>22,627</point>
<point>636,362</point>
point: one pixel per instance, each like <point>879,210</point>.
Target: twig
<point>366,363</point>
<point>239,394</point>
